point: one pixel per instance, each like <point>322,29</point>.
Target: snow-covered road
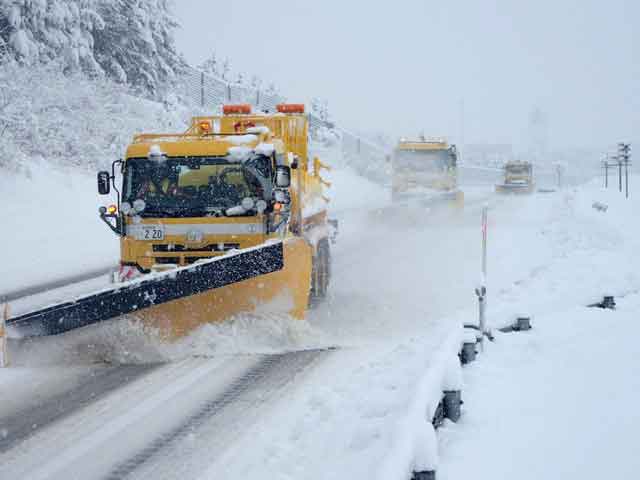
<point>402,287</point>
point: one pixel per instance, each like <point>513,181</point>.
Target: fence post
<point>4,356</point>
<point>202,89</point>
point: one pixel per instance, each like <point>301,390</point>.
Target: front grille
<point>213,247</point>
<point>168,260</point>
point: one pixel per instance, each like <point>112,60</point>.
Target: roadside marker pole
<point>481,291</point>
<point>485,214</point>
<point>4,356</point>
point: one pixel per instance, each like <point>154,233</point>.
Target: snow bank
<point>360,414</point>
<point>51,227</point>
<point>593,253</point>
<point>555,402</point>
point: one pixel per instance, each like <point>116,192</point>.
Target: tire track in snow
<point>270,375</point>
<point>20,425</point>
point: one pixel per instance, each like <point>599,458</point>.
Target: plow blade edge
<point>143,294</point>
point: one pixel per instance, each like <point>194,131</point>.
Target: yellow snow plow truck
<point>518,178</point>
<point>213,222</point>
<point>424,171</point>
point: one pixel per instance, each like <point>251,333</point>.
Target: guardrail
<point>10,296</point>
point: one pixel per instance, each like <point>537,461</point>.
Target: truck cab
<point>425,170</point>
<point>517,178</point>
<point>232,182</point>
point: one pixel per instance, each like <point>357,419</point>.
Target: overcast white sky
<point>406,66</point>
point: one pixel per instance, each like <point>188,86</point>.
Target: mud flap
<point>141,294</point>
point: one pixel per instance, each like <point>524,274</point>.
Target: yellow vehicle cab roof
<point>173,145</point>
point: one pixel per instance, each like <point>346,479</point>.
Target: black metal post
<point>626,177</point>
<point>620,175</point>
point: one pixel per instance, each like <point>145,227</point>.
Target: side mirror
<point>104,183</point>
<point>283,176</point>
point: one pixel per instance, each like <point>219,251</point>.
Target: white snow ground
<point>556,402</point>
<point>402,287</point>
<point>52,227</point>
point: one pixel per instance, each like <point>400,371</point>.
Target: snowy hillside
<point>54,138</point>
<point>58,120</point>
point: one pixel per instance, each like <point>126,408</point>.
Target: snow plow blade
<point>182,292</point>
<point>514,188</point>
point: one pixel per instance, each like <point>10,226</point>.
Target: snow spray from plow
<point>142,294</point>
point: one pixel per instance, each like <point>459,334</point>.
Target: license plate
<point>151,232</point>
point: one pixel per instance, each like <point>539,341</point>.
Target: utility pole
<point>624,156</point>
<point>619,158</point>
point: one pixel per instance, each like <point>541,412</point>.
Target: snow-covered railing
<point>206,90</point>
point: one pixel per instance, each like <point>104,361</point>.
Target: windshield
<point>518,169</point>
<point>194,186</point>
<point>427,161</point>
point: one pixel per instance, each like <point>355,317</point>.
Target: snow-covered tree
<point>320,108</point>
<point>272,90</point>
<point>226,69</point>
<point>256,82</point>
<point>211,65</point>
<point>136,44</point>
<point>129,40</point>
<point>37,31</point>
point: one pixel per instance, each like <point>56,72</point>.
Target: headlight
<point>248,203</point>
<point>139,205</point>
<point>125,208</point>
<point>261,206</point>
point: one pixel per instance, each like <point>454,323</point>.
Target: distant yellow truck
<point>518,178</point>
<point>425,171</point>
